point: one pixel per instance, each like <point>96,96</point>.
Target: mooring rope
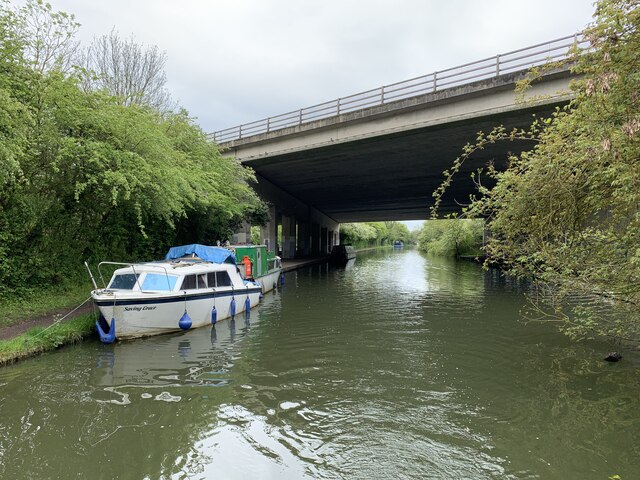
<point>62,318</point>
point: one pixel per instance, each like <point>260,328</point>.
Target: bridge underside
<point>391,177</point>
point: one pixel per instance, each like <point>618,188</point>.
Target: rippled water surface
<point>398,366</point>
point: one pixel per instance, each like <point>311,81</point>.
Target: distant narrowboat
<point>341,254</point>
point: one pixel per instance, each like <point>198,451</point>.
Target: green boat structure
<point>264,267</point>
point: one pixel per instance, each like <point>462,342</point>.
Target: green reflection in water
<point>396,366</point>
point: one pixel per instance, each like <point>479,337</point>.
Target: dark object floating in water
<point>613,357</point>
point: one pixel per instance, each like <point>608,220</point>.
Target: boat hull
<point>140,316</point>
<point>269,281</point>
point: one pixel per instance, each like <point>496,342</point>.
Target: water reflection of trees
<point>556,409</point>
<point>584,398</point>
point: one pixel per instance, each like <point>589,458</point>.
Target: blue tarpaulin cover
<point>210,254</point>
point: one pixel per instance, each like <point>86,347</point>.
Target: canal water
<point>398,366</point>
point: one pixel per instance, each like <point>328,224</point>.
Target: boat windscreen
<point>159,281</point>
<point>124,281</point>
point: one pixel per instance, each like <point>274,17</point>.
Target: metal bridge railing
<point>517,60</point>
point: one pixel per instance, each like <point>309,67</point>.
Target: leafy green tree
<point>567,212</point>
<point>84,177</point>
<point>358,234</point>
<point>382,232</point>
<point>48,36</point>
<point>414,235</point>
<point>367,234</point>
<point>397,231</point>
<point>451,238</point>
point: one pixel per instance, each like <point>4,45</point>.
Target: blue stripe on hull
<point>199,296</point>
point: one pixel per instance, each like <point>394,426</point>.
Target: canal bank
<point>295,263</point>
<point>37,340</point>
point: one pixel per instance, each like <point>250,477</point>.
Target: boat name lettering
<point>137,309</point>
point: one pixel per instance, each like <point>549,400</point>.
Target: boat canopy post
<point>93,280</point>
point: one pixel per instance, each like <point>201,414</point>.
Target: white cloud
<point>234,62</point>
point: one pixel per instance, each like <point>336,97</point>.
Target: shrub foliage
<point>567,212</point>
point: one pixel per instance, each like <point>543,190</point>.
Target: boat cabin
<point>174,277</point>
<point>262,260</point>
<point>185,268</point>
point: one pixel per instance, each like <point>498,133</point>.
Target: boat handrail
<point>132,265</point>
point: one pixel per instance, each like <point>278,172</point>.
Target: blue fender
<point>214,315</point>
<point>185,321</point>
<point>233,308</point>
<point>107,337</point>
<point>247,307</point>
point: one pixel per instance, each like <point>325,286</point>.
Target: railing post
<point>381,95</point>
<point>240,131</point>
<point>435,81</point>
<point>300,117</point>
<point>338,106</point>
<point>497,65</point>
<point>268,124</point>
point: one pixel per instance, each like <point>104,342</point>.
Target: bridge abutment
<point>304,230</point>
<point>288,237</point>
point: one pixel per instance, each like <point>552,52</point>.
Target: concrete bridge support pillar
<point>269,233</point>
<point>324,240</point>
<point>334,238</point>
<point>304,238</point>
<point>242,235</point>
<point>315,239</point>
<point>305,230</point>
<point>288,237</point>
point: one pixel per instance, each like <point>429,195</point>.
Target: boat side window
<point>202,280</point>
<point>124,281</point>
<point>189,283</point>
<point>222,279</point>
<point>218,279</point>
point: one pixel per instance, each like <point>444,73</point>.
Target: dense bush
<point>567,212</point>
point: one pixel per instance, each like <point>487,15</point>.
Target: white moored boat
<point>195,285</point>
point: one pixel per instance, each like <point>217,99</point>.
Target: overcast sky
<point>235,61</point>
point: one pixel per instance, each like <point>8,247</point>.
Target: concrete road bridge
<point>379,155</point>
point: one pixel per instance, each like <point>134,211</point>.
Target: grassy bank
<point>17,309</point>
<point>42,339</point>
